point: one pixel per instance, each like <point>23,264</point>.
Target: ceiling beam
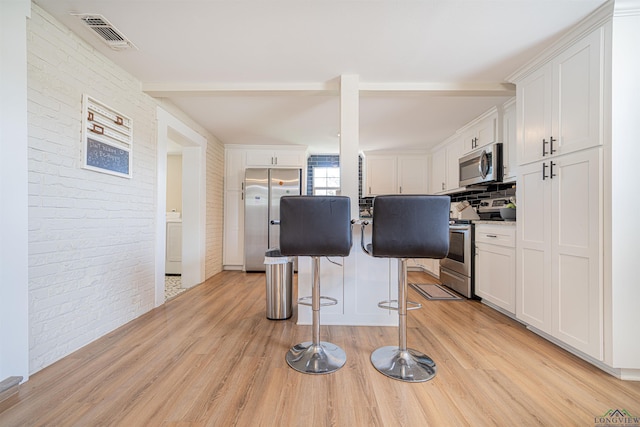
<point>438,89</point>
<point>161,90</point>
<point>230,89</point>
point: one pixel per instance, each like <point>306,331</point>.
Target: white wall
<point>624,204</point>
<point>174,182</point>
<point>91,235</point>
<point>14,321</point>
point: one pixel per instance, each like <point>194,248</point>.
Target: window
<point>326,181</point>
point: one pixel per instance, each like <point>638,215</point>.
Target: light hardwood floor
<point>210,357</point>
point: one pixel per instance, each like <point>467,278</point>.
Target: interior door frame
<point>194,201</point>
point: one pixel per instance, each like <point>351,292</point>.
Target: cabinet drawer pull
<point>551,174</point>
<point>544,147</point>
<point>492,235</point>
<point>551,141</point>
<point>544,171</point>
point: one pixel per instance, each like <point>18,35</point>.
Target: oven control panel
<point>493,205</point>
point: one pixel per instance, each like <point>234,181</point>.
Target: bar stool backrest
<point>410,226</point>
<point>315,226</point>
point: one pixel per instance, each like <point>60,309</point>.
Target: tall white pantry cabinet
<point>571,286</point>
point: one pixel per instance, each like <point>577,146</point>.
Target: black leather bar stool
<point>406,227</point>
<point>315,226</point>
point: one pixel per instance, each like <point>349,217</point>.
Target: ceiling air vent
<point>106,31</point>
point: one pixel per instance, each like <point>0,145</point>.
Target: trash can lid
<point>274,252</point>
<point>276,260</point>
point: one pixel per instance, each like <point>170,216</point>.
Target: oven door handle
<point>484,164</point>
<point>459,227</point>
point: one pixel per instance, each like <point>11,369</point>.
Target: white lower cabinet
<point>495,272</point>
<point>559,268</point>
<point>425,264</point>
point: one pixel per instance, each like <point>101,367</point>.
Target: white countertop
<point>487,221</point>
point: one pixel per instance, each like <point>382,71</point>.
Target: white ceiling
<point>267,72</point>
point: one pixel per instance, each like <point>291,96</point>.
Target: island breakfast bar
<point>359,283</point>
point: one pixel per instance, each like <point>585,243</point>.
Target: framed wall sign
<point>107,138</point>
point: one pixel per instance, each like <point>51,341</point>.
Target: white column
<point>349,138</point>
<point>349,144</point>
<point>14,235</point>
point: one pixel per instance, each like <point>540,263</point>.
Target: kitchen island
<point>358,282</point>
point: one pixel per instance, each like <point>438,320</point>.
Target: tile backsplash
<point>366,203</point>
<point>491,192</point>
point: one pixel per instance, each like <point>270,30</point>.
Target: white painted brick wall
<point>91,235</point>
<point>215,216</point>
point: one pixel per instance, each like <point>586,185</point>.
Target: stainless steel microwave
<point>483,166</point>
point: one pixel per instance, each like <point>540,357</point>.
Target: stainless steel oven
<point>456,270</point>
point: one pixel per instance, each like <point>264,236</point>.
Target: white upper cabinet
<point>445,174</point>
<point>534,114</point>
<point>509,141</point>
<point>395,174</point>
<point>559,103</point>
<point>382,175</point>
<point>280,157</point>
<point>454,152</point>
<point>412,174</point>
<point>439,170</point>
<point>480,132</point>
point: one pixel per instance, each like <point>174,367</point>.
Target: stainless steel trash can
<point>279,279</point>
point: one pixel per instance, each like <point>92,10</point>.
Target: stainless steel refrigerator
<point>262,191</point>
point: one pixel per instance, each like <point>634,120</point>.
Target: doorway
<point>172,131</point>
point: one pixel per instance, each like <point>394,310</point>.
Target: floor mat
<point>172,286</point>
<point>435,292</point>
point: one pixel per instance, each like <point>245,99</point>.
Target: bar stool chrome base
<point>308,358</point>
<point>409,365</point>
